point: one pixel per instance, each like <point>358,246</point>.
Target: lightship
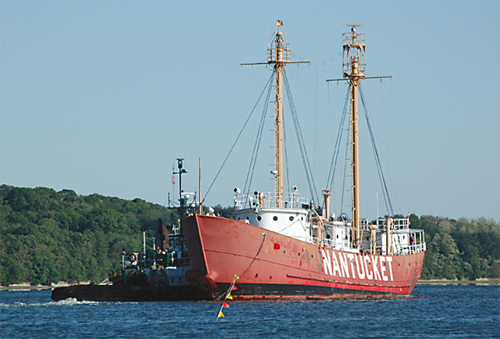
<point>280,246</point>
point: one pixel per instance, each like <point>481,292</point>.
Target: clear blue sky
<point>102,96</point>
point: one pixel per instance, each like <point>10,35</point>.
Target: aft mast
<point>278,55</point>
<point>354,69</point>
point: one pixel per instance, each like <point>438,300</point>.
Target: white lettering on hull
<point>369,274</point>
<point>359,264</point>
<point>368,267</point>
<point>343,265</point>
<point>336,267</point>
<point>376,274</point>
<point>327,263</point>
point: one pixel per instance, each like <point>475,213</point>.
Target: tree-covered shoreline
<point>48,236</point>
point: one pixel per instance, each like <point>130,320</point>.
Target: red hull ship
<point>279,246</point>
<point>283,267</point>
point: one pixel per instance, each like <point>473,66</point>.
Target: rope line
<point>336,148</point>
<point>225,294</point>
<point>235,142</point>
<point>383,184</point>
<point>255,152</point>
<point>300,140</point>
<point>255,258</point>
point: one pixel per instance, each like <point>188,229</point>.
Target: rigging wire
<point>333,166</point>
<point>286,155</point>
<point>336,147</point>
<point>300,139</point>
<point>336,151</point>
<point>237,138</point>
<point>347,144</point>
<point>253,160</point>
<point>385,191</point>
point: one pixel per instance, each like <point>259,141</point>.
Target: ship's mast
<point>354,69</point>
<point>278,55</point>
<point>354,72</point>
<point>279,65</point>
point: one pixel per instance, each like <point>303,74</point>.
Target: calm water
<point>442,312</point>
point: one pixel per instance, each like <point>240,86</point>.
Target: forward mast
<point>278,55</point>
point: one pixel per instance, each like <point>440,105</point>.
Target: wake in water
<point>66,302</point>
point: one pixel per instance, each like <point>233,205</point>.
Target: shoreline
<point>484,282</point>
<point>490,282</point>
<point>28,287</point>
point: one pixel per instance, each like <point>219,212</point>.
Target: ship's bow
<point>199,274</point>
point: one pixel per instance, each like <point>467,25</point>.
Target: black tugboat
<point>155,275</point>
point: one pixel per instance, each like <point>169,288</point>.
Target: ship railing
<point>344,245</point>
<point>401,223</point>
<point>405,240</point>
<point>411,249</point>
<point>268,200</point>
<point>398,223</point>
<point>286,53</point>
<point>414,243</point>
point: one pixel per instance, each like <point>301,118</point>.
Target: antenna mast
<point>278,54</point>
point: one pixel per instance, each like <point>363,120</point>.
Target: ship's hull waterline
<point>274,266</point>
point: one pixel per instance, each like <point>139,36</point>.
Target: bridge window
<point>275,218</point>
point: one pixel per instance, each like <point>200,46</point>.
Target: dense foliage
<point>48,236</point>
<point>460,249</point>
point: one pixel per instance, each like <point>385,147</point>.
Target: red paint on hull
<point>219,248</point>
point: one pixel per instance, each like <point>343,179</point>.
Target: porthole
<point>275,218</point>
<point>291,218</point>
<point>259,218</point>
